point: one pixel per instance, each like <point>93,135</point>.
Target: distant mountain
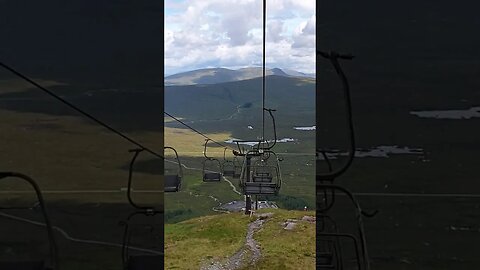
<point>215,101</point>
<point>295,73</point>
<point>221,75</point>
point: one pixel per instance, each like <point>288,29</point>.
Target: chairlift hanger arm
<point>270,111</point>
<point>205,149</point>
<point>333,57</point>
<point>224,154</point>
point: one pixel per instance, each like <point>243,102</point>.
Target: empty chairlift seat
<point>228,168</point>
<point>211,168</point>
<point>237,167</point>
<point>261,178</point>
<point>150,257</point>
<point>261,183</point>
<point>173,181</point>
<point>259,188</point>
<point>211,176</point>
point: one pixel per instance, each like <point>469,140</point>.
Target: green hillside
<point>290,96</point>
<point>209,241</point>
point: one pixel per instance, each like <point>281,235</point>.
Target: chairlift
<point>172,182</point>
<point>138,261</point>
<point>238,167</point>
<point>33,265</point>
<point>260,175</point>
<point>231,167</point>
<point>146,260</point>
<point>260,178</point>
<point>211,168</point>
<point>262,172</point>
<point>136,152</point>
<point>228,167</point>
<point>331,256</point>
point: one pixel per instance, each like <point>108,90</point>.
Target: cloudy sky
<point>228,33</point>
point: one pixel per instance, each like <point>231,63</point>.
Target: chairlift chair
<point>146,260</point>
<point>238,168</point>
<point>138,261</point>
<point>33,265</point>
<point>228,167</point>
<point>260,178</point>
<point>136,152</point>
<point>262,172</point>
<point>326,191</point>
<point>172,182</point>
<point>211,167</point>
<point>325,258</point>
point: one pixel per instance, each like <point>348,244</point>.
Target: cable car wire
<point>89,116</point>
<point>200,133</point>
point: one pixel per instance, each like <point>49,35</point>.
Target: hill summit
<point>221,75</point>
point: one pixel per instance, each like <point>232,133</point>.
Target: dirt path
<point>247,255</point>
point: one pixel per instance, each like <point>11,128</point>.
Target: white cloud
<point>274,31</point>
<point>304,34</point>
<point>228,33</point>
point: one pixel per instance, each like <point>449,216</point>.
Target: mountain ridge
<point>222,75</point>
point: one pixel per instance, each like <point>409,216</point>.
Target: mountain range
<point>221,75</point>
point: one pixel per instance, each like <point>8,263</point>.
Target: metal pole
<point>248,204</point>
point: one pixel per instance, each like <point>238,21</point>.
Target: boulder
<point>290,226</point>
<point>264,216</point>
<point>309,218</point>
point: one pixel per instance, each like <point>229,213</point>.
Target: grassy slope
<point>287,249</point>
<point>191,242</point>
